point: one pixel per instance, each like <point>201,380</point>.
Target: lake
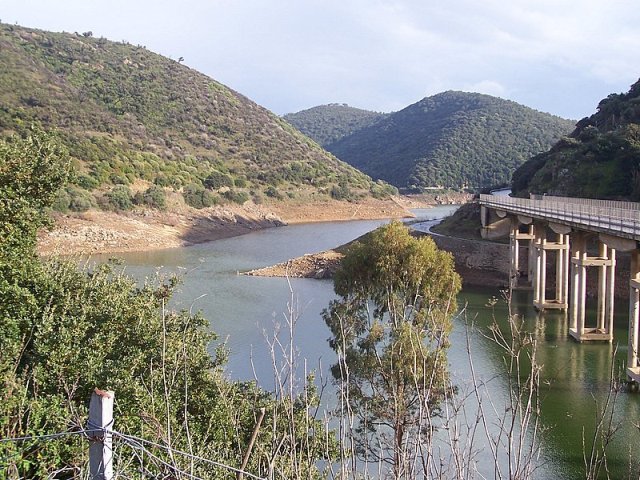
<point>245,312</point>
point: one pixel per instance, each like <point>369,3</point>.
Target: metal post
<point>99,428</point>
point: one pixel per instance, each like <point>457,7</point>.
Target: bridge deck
<point>620,219</point>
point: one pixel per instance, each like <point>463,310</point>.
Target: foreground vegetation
<point>64,331</point>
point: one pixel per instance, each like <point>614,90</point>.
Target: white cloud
<point>553,55</point>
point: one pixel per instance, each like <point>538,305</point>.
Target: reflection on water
<point>243,310</point>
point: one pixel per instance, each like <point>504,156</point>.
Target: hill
<point>599,159</point>
<point>327,124</point>
<point>141,128</point>
<point>451,140</point>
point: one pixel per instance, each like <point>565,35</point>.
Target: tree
<point>65,330</point>
<point>390,328</point>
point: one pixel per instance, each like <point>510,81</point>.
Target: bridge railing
<point>589,201</point>
<point>609,219</point>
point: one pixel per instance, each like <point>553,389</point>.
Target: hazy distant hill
<point>328,123</point>
<point>599,159</point>
<point>452,139</point>
<point>127,114</point>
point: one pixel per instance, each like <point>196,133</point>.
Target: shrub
<point>86,182</point>
<point>119,198</point>
<point>341,192</point>
<point>154,197</point>
<point>80,200</point>
<point>272,192</point>
<point>61,202</point>
<point>197,196</point>
<point>217,180</point>
<point>236,196</point>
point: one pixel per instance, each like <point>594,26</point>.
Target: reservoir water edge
<point>245,312</point>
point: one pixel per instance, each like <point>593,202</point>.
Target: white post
<point>99,428</point>
<point>611,290</point>
<point>602,288</point>
<point>567,263</point>
<point>543,273</point>
<point>634,312</point>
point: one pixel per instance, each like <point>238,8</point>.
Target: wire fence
<point>144,454</point>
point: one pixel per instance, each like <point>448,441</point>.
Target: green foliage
<point>32,169</point>
<point>119,198</point>
<point>341,192</point>
<point>381,189</point>
<point>390,328</point>
<point>154,197</point>
<point>272,192</point>
<point>451,140</point>
<point>73,199</point>
<point>217,180</point>
<point>64,331</point>
<point>197,196</point>
<point>327,124</point>
<point>236,196</point>
<point>127,114</point>
<point>600,159</point>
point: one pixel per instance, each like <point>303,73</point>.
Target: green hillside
<point>451,140</point>
<point>134,120</point>
<point>599,159</point>
<point>327,124</point>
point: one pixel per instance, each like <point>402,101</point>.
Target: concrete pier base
<point>543,247</point>
<point>605,263</point>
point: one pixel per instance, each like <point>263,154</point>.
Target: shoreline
<point>96,232</point>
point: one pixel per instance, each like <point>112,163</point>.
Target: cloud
<point>553,55</point>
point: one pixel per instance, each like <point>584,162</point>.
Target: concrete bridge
<point>577,236</point>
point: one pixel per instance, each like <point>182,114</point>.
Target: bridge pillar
<point>561,247</point>
<point>515,237</point>
<point>633,365</point>
<point>605,263</point>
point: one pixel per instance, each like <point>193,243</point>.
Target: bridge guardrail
<point>606,217</point>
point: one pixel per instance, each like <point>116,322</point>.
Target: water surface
<point>246,311</point>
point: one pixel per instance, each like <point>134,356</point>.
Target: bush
<point>119,198</point>
<point>217,180</point>
<point>61,202</point>
<point>272,192</point>
<point>74,199</point>
<point>80,200</point>
<point>383,190</point>
<point>341,192</point>
<point>154,197</point>
<point>86,182</point>
<point>197,196</point>
<point>236,196</point>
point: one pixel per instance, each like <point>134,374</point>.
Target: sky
<point>556,56</point>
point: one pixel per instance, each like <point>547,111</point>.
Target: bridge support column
<point>515,237</point>
<point>633,363</point>
<point>561,247</point>
<point>605,262</point>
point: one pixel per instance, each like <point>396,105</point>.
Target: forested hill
<point>599,159</point>
<point>127,114</point>
<point>327,124</point>
<point>453,139</point>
